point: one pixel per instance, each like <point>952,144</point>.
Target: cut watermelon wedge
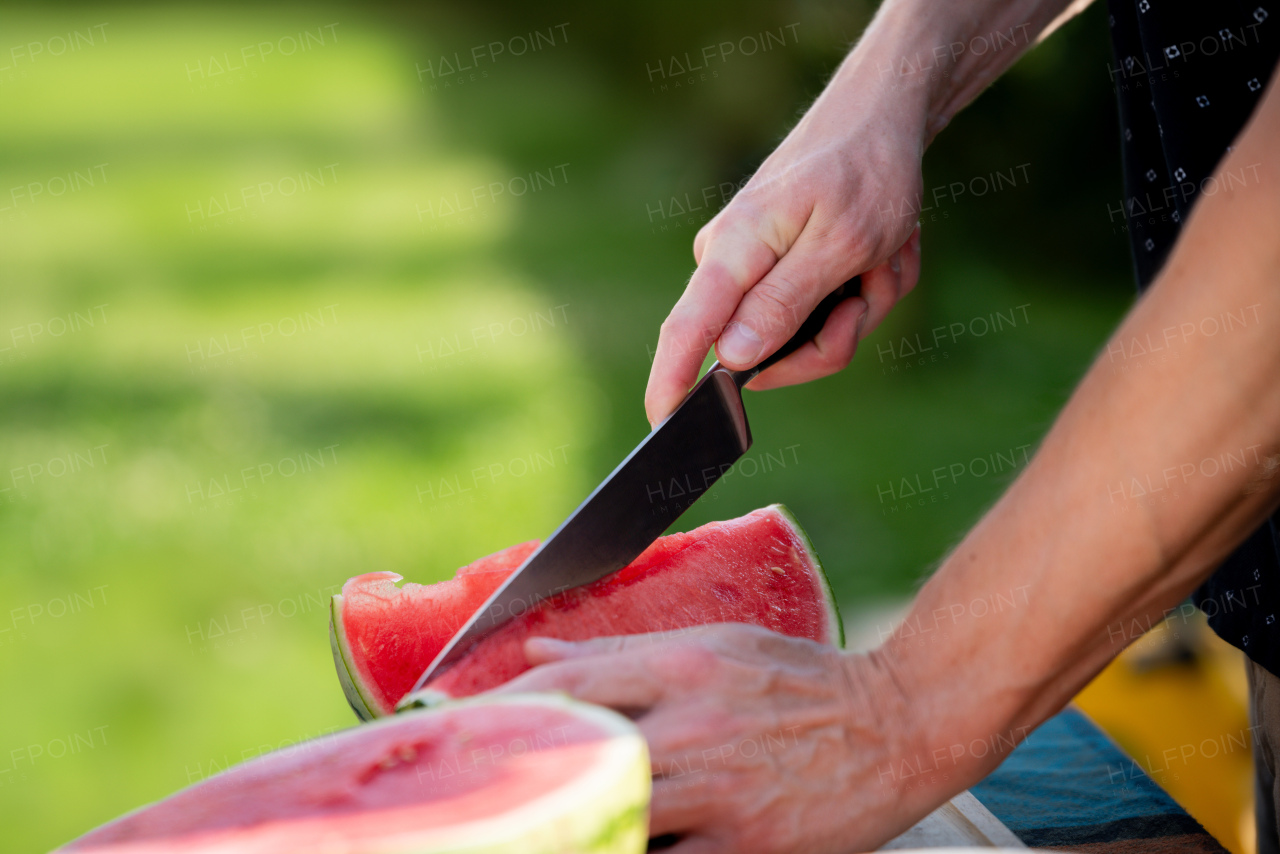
<point>758,569</point>
<point>388,629</point>
<point>526,774</point>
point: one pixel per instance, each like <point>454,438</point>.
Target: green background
<point>153,630</point>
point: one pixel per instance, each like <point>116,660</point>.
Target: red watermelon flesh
<point>390,628</point>
<point>757,569</point>
<point>519,773</point>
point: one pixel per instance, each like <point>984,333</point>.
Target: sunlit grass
<point>228,385</point>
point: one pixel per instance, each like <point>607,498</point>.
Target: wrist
<point>896,738</point>
<point>906,57</point>
<point>947,53</point>
<point>944,732</point>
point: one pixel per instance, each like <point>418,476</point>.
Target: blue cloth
<point>1068,785</point>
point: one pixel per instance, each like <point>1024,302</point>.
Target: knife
<point>667,472</point>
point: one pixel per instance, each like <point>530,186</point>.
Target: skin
<point>852,749</point>
<point>814,214</point>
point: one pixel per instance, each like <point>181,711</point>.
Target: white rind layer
<point>362,705</point>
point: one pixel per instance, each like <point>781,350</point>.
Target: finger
<point>884,285</point>
<point>546,650</point>
<point>697,845</point>
<point>542,650</point>
<point>771,312</point>
<point>677,804</point>
<point>911,262</point>
<point>830,351</point>
<point>735,256</point>
<point>623,682</point>
<point>881,287</point>
<point>700,239</point>
<point>834,346</point>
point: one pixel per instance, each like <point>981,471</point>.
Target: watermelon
<point>758,569</point>
<point>523,773</point>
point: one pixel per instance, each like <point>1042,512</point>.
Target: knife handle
<point>811,327</point>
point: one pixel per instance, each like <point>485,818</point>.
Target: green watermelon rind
<point>828,595</point>
<point>360,704</point>
<point>616,817</point>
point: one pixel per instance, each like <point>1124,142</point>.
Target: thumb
<point>734,257</point>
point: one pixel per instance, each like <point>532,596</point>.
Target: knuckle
<point>705,232</point>
<point>548,677</point>
<point>680,334</point>
<point>735,634</point>
<point>609,645</point>
<point>688,663</point>
<point>738,216</point>
<point>673,324</point>
<point>850,233</point>
<point>714,274</point>
<point>775,305</point>
<point>747,207</point>
<point>839,358</point>
<point>861,243</point>
<point>829,225</point>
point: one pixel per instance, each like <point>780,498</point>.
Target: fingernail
<point>739,344</point>
<point>915,239</point>
<point>895,262</point>
<point>862,321</point>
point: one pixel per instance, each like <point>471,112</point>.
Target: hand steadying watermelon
<point>757,569</point>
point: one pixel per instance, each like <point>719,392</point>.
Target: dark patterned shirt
<point>1188,76</point>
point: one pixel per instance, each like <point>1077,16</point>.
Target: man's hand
<point>837,198</point>
<point>759,742</point>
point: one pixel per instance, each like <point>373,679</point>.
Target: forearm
<point>940,56</point>
<point>1154,471</point>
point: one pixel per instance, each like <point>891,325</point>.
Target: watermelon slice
<point>525,773</point>
<point>757,569</point>
<point>396,627</point>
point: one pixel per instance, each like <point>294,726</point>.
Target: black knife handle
<point>811,327</point>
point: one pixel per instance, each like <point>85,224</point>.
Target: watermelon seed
<point>778,570</point>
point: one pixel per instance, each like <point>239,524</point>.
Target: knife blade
<point>667,472</point>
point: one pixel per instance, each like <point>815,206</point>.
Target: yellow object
<point>1177,702</point>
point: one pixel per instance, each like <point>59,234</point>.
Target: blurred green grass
<point>162,607</point>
